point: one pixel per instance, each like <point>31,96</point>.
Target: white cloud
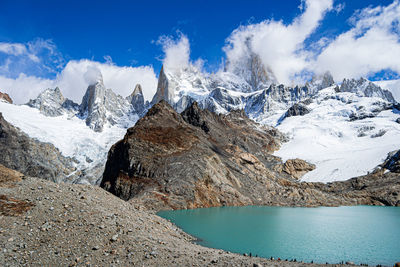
<point>176,52</point>
<point>75,78</point>
<point>24,87</point>
<point>35,58</point>
<point>279,46</point>
<point>14,49</point>
<point>371,45</point>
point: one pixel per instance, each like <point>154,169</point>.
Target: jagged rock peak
<point>137,99</point>
<point>323,80</point>
<point>366,88</point>
<point>164,92</point>
<point>137,90</point>
<point>51,102</point>
<point>100,105</point>
<point>4,97</point>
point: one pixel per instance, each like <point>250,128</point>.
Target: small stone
<point>114,238</point>
<point>102,226</point>
<point>214,261</point>
<point>257,265</point>
<point>11,239</point>
<point>96,248</point>
<point>51,208</point>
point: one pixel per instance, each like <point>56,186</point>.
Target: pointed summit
<point>137,99</point>
<point>137,90</point>
<point>164,92</point>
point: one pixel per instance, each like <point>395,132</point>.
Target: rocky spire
<point>137,99</point>
<point>5,98</point>
<point>92,106</point>
<point>164,92</point>
<point>100,106</point>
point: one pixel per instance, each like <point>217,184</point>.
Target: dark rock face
<point>392,162</point>
<point>201,159</point>
<point>31,157</point>
<point>297,110</point>
<point>5,97</point>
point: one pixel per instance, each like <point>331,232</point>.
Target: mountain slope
<point>32,157</point>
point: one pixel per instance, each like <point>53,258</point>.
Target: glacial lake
<point>361,234</point>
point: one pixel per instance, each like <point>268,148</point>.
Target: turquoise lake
<point>361,234</point>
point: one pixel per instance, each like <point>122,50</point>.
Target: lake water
<point>361,234</point>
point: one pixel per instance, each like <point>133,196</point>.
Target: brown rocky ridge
<point>201,159</point>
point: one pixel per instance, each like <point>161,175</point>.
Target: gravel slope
<point>82,225</point>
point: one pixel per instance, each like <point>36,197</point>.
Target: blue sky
<point>125,33</point>
<point>126,30</point>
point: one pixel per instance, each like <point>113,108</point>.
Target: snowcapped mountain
<point>346,130</point>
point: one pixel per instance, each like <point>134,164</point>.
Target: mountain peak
<point>164,91</point>
<point>51,102</point>
<point>137,99</point>
<point>5,98</point>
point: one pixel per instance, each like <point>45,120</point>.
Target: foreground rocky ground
<point>47,224</point>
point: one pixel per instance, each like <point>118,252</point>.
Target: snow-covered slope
<point>69,134</point>
<point>341,148</point>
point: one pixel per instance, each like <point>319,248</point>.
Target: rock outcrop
<point>392,162</point>
<point>296,167</point>
<point>31,157</point>
<point>52,103</point>
<point>5,97</point>
<point>195,159</point>
<point>297,110</point>
<point>201,159</point>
